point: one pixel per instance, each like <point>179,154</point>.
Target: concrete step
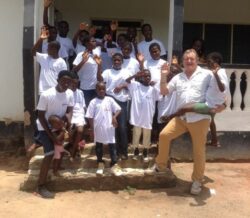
<point>87,179</point>
<point>89,161</point>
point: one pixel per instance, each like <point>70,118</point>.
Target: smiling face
<point>117,61</point>
<point>190,61</point>
<point>63,83</point>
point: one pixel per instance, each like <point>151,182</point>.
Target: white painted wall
<point>11,71</point>
<point>217,11</point>
<point>77,11</point>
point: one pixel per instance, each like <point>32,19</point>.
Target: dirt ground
<point>226,194</point>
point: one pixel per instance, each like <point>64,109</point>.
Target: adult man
<point>58,101</point>
<point>191,87</point>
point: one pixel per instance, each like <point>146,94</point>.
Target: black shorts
<point>43,139</point>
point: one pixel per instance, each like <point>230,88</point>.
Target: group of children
<point>112,83</point>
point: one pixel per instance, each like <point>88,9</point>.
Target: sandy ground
<point>226,194</point>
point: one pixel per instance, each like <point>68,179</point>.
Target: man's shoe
<point>116,170</point>
<point>44,192</point>
<point>195,188</point>
<point>136,154</point>
<point>100,168</point>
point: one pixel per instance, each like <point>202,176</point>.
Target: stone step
<point>89,161</point>
<point>87,179</point>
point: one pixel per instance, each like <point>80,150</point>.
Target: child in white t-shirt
<point>129,63</point>
<point>51,64</point>
<point>78,117</point>
<point>87,64</point>
<point>143,46</point>
<point>144,97</point>
<point>102,114</point>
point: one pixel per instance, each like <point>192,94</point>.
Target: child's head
<point>155,51</point>
<point>53,49</point>
<point>64,80</point>
<point>131,33</point>
<point>147,31</point>
<point>199,46</point>
<point>100,90</point>
<point>52,33</point>
<point>117,61</point>
<point>82,35</point>
<point>89,42</point>
<point>63,28</point>
<point>74,81</point>
<point>214,60</point>
<point>146,78</point>
<point>56,122</point>
<point>126,49</point>
<point>122,39</point>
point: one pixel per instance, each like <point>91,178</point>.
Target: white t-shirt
<point>132,65</point>
<point>114,78</point>
<point>67,44</point>
<point>143,104</point>
<point>50,69</point>
<point>154,66</point>
<point>213,95</point>
<point>54,103</point>
<point>78,109</point>
<point>102,110</point>
<point>166,105</point>
<point>143,47</point>
<point>191,90</point>
<point>62,51</point>
<point>79,48</point>
<point>88,72</point>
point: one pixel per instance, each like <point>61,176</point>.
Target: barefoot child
<point>102,113</point>
<point>61,135</point>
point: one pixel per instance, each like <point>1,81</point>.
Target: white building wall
<point>11,72</point>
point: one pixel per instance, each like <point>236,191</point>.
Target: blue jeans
<point>112,152</point>
<point>89,95</point>
<point>121,131</point>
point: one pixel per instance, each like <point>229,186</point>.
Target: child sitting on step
<point>61,135</point>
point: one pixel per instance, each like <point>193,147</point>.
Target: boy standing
<point>51,64</point>
<point>102,114</point>
<point>144,97</point>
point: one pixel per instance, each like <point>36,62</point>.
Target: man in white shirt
<point>191,87</point>
<point>143,46</point>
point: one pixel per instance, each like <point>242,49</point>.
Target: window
<point>232,41</point>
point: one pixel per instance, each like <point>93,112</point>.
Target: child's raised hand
<point>114,122</point>
<point>85,56</point>
<point>83,26</point>
<point>165,69</point>
<point>97,59</point>
<point>44,33</point>
<point>114,25</point>
<point>47,3</point>
<point>140,57</point>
